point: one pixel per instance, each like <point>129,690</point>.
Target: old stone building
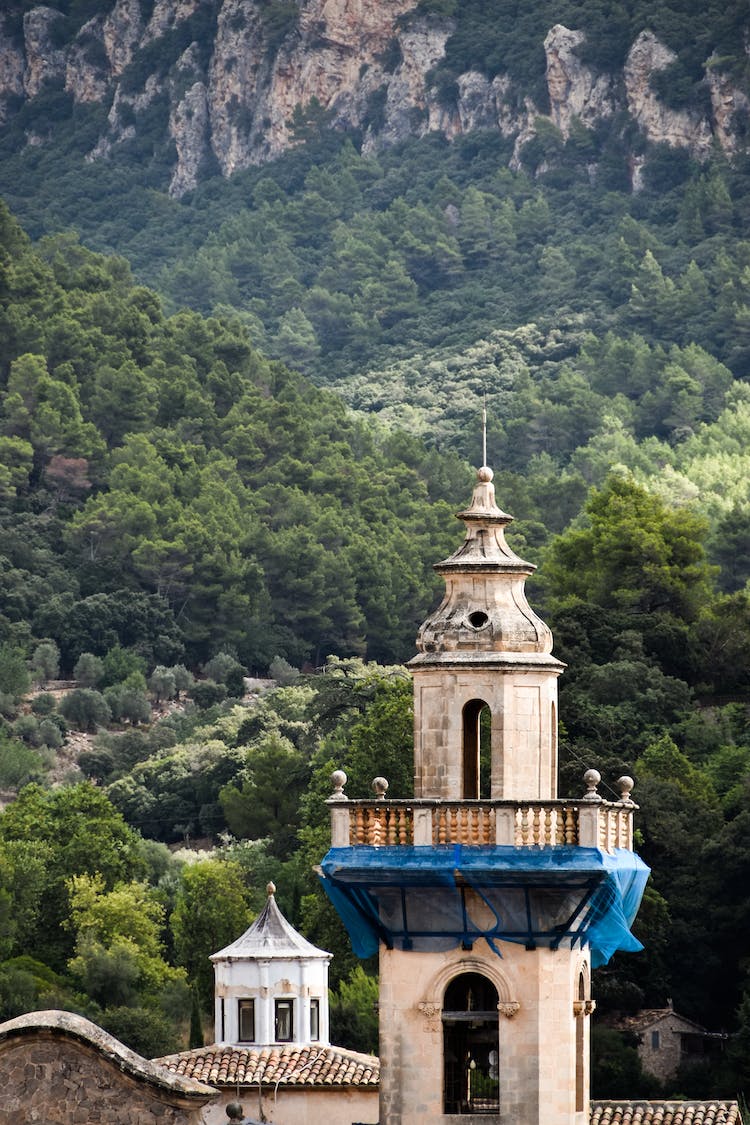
<point>666,1040</point>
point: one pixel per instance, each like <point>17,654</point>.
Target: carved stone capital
<point>432,1013</point>
<point>583,1007</point>
<point>508,1008</point>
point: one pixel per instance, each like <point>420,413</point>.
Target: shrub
<point>43,704</point>
<point>85,709</point>
<point>97,763</point>
<point>19,764</point>
<point>46,661</point>
<point>88,670</point>
<point>207,692</point>
<point>162,683</point>
<point>50,735</point>
<point>26,727</point>
<point>282,671</point>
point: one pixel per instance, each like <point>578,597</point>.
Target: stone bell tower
<point>487,897</point>
<point>485,648</point>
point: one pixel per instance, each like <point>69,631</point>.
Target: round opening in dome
<point>478,619</point>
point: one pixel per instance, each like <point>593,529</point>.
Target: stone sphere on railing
<point>592,779</point>
<point>338,778</point>
<point>380,785</point>
<point>625,788</point>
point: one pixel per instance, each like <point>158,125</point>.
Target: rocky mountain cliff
<point>236,81</point>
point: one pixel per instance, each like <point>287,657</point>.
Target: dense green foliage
<point>168,491</point>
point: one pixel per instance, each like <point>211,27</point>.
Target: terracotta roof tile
<point>665,1113</point>
<point>289,1066</point>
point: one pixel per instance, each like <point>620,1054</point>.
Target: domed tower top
<point>485,650</point>
<point>484,610</point>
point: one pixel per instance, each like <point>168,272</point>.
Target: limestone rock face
<point>726,101</point>
<point>574,90</point>
<point>332,58</point>
<point>361,64</point>
<point>44,62</point>
<point>188,122</point>
<point>87,72</point>
<point>167,15</point>
<point>11,70</point>
<point>233,83</point>
<point>410,108</point>
<point>122,31</point>
<point>677,128</point>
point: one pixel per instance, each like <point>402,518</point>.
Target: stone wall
<point>59,1069</point>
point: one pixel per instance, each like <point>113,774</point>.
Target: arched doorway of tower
<point>476,749</point>
<point>470,1046</point>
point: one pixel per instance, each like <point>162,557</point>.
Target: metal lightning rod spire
<point>484,430</point>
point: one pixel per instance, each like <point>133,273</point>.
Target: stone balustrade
<point>588,822</point>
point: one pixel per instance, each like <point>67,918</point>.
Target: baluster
<point>377,828</point>
<point>489,826</point>
<point>571,825</point>
<point>442,827</point>
<point>358,827</point>
<point>525,825</point>
<point>454,836</point>
<point>402,813</point>
<point>517,828</point>
<point>476,826</point>
<point>391,815</point>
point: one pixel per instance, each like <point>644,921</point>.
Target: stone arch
<point>507,1004</point>
<point>471,747</point>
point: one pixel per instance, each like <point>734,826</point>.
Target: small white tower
<point>271,985</point>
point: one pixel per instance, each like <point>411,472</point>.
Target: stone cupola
<point>271,985</point>
<point>484,649</point>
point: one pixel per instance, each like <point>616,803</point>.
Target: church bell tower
<point>487,897</point>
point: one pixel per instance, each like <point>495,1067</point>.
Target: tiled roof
<point>665,1113</point>
<point>647,1016</point>
<point>289,1066</point>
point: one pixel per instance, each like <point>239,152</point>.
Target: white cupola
<point>271,985</point>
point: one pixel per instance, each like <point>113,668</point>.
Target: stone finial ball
<point>270,889</point>
<point>338,777</point>
<point>592,778</point>
<point>485,474</point>
<point>625,786</point>
<point>380,785</point>
<point>235,1112</point>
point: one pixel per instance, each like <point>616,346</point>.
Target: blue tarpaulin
<point>434,898</point>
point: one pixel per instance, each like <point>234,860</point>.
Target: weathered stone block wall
<point>537,1040</point>
<point>59,1069</point>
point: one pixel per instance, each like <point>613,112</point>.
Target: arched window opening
<point>476,747</point>
<point>579,1044</point>
<point>470,1046</point>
